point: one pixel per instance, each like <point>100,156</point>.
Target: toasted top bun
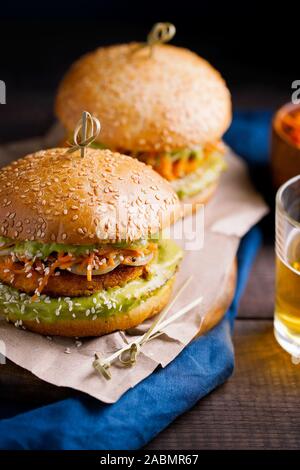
<point>55,196</point>
<point>171,99</point>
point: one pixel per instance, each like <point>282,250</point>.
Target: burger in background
<point>162,104</point>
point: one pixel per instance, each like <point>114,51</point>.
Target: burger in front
<point>79,252</point>
<point>169,108</point>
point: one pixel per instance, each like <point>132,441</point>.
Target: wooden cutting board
<point>19,385</point>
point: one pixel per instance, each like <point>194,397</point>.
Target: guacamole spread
<point>201,178</point>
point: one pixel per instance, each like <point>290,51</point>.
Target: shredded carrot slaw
<point>97,259</point>
<point>171,168</point>
<point>291,126</point>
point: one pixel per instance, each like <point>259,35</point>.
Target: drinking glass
<point>287,247</point>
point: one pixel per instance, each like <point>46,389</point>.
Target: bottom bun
<point>101,326</point>
<point>190,204</point>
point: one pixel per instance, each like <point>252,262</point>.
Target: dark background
<point>256,47</point>
<point>254,44</point>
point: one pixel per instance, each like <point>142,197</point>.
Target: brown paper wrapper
<point>235,208</point>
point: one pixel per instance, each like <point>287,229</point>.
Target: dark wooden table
<point>258,406</point>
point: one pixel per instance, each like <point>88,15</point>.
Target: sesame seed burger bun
<point>103,325</point>
<point>169,100</point>
<point>56,196</point>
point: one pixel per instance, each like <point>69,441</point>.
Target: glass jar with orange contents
<point>285,145</point>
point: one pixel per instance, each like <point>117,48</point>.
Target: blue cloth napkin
<point>85,423</point>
